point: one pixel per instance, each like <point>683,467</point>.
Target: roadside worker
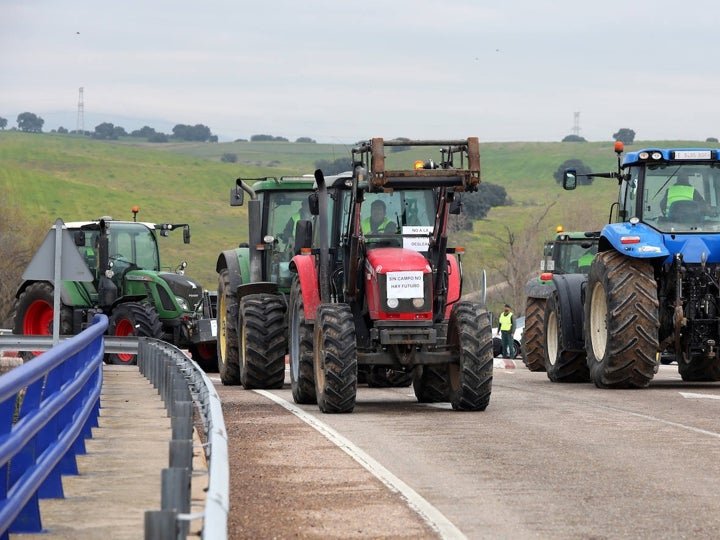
<point>377,223</point>
<point>507,329</point>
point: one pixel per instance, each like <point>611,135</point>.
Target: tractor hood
<point>384,260</point>
<point>183,287</point>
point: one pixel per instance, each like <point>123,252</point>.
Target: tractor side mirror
<point>237,196</point>
<point>79,238</point>
<point>570,179</point>
<point>314,204</point>
<point>303,235</point>
<point>186,235</point>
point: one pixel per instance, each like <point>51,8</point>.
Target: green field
<point>58,176</point>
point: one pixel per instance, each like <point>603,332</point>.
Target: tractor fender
<point>454,280</point>
<point>570,296</point>
<point>637,240</point>
<point>538,288</point>
<point>304,266</point>
<point>70,293</point>
<point>237,264</point>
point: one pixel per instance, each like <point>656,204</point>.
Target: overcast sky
<point>340,71</point>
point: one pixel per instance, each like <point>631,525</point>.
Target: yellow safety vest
<point>367,228</point>
<point>505,321</point>
<point>680,193</point>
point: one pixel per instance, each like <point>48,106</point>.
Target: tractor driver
<point>681,190</point>
<point>288,233</point>
<point>378,222</point>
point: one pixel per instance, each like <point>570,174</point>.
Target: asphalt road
<point>545,460</point>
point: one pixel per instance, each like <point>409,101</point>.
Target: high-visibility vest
<point>680,193</point>
<point>506,321</point>
<point>367,227</point>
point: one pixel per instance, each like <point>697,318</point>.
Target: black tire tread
<point>263,341</point>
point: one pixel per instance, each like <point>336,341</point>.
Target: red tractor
<point>380,292</point>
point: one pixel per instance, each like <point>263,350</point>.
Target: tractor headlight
<point>393,303</point>
<point>418,302</point>
<point>182,303</point>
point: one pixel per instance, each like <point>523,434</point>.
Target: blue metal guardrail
<point>180,383</point>
<point>47,409</point>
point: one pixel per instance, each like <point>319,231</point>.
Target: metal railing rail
<point>113,344</point>
<point>181,382</point>
<point>47,409</point>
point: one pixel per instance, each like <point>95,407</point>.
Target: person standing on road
<point>507,329</point>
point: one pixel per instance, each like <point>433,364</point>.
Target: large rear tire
<point>700,369</point>
<point>263,341</point>
<point>532,345</point>
<point>227,337</point>
<point>470,338</point>
<point>34,314</point>
<point>300,349</point>
<point>621,321</point>
<point>562,365</point>
<point>133,319</point>
<point>335,359</point>
<point>431,385</point>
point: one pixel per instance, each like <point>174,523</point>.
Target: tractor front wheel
<point>335,359</point>
<point>621,321</point>
<point>470,338</point>
<point>263,341</point>
<point>533,350</point>
<point>132,319</point>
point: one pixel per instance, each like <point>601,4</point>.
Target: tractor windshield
<point>677,197</point>
<point>406,214</point>
<point>134,243</point>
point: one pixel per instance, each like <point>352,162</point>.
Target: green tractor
<point>567,253</point>
<point>254,280</point>
<point>129,286</point>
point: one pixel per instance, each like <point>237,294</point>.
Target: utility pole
<point>80,128</point>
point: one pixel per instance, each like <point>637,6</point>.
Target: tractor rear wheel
<point>300,347</point>
<point>263,341</point>
<point>562,365</point>
<point>335,359</point>
<point>132,319</point>
<point>227,337</point>
<point>470,338</point>
<point>621,321</point>
<point>34,314</point>
<point>700,369</point>
<point>430,384</point>
<point>533,350</point>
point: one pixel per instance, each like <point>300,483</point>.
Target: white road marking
<point>431,515</point>
<point>690,395</point>
<point>663,421</point>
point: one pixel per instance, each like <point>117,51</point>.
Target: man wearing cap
<point>507,329</point>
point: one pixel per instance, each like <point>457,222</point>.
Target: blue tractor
<point>653,290</point>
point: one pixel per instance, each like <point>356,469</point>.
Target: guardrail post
<point>175,494</point>
<point>160,525</point>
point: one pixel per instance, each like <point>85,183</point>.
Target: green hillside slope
<point>52,176</point>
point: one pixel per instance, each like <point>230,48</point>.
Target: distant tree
<point>477,205</point>
<point>3,122</point>
<point>228,157</point>
<point>305,140</point>
<point>574,138</point>
<point>145,131</point>
<point>62,130</point>
<point>711,139</point>
<point>267,138</point>
<point>334,167</point>
<point>30,122</point>
<point>158,138</point>
<point>240,140</point>
<point>105,131</point>
<point>579,166</point>
<point>624,135</point>
<point>198,132</point>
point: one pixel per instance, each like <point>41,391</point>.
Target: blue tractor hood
<point>643,242</point>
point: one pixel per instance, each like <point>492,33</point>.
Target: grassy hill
<point>51,176</point>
